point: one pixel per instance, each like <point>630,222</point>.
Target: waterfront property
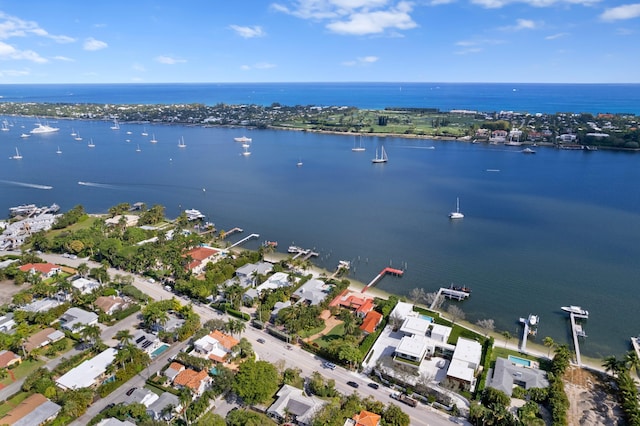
<point>199,257</point>
<point>465,362</point>
<point>507,374</point>
<point>355,301</point>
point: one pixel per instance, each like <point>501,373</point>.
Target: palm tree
<point>550,343</point>
<point>612,364</point>
<point>507,336</point>
<point>631,360</point>
<point>83,269</point>
<point>124,337</point>
<point>91,333</point>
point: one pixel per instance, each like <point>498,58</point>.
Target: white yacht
<point>242,139</point>
<point>43,128</point>
<point>575,310</point>
<point>193,214</point>
<point>456,214</point>
<point>25,135</point>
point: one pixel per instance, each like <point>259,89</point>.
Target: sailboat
<point>17,156</point>
<point>181,143</point>
<point>358,148</point>
<point>299,163</point>
<point>144,132</point>
<point>5,126</point>
<point>115,126</point>
<point>138,149</point>
<point>456,214</point>
<point>246,150</point>
<point>58,151</point>
<point>91,144</point>
<point>78,137</point>
<point>153,139</point>
<point>73,133</point>
<point>382,159</point>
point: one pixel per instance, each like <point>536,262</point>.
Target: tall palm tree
<point>612,364</point>
<point>631,360</point>
<point>124,337</point>
<point>91,333</point>
<point>550,343</point>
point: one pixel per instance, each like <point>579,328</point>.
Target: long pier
<point>576,330</point>
<point>385,271</point>
<point>244,240</point>
<point>449,293</point>
<point>635,342</point>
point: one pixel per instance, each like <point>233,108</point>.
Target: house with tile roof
<point>35,410</point>
<point>371,322</point>
<point>196,381</point>
<point>9,359</point>
<point>47,270</point>
<point>364,418</point>
<point>43,338</point>
<point>358,302</point>
<point>110,304</point>
<point>216,346</point>
<point>200,257</point>
<point>173,370</point>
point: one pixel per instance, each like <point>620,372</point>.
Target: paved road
<point>272,350</point>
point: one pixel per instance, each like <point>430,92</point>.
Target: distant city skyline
<point>146,41</point>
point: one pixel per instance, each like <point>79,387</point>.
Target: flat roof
<point>416,326</point>
<point>85,375</point>
<point>414,346</point>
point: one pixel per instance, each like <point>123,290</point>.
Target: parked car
<point>329,365</point>
<point>261,340</point>
<point>130,391</point>
<point>373,385</point>
<point>353,384</point>
<point>111,405</point>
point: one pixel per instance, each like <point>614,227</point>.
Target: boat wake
<point>27,185</point>
<point>97,185</point>
<point>418,147</point>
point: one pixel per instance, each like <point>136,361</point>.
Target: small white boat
<point>299,163</point>
<point>17,156</point>
<point>528,151</point>
<point>456,214</point>
<point>144,132</point>
<point>575,310</point>
<point>246,151</point>
<point>382,159</point>
<point>91,144</point>
<point>43,128</point>
<point>138,149</point>
<point>153,139</point>
<point>78,137</point>
<point>533,320</point>
<point>181,143</point>
<point>128,132</point>
<point>243,139</point>
<point>73,132</point>
<point>5,126</point>
<point>115,126</point>
<point>25,135</point>
<point>58,151</point>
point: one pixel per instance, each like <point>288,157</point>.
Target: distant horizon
<point>318,82</point>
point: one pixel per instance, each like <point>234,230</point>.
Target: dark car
<point>353,384</point>
<point>109,406</point>
<point>261,340</point>
<point>373,385</point>
<point>130,391</point>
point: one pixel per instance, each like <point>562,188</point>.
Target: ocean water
<point>543,231</point>
<point>523,97</point>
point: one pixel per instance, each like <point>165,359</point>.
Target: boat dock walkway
<point>306,253</point>
<point>525,334</point>
<point>576,330</point>
<point>244,240</point>
<point>231,232</point>
<point>385,271</point>
<point>635,342</point>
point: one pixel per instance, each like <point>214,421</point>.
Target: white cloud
<point>14,73</point>
<point>521,24</point>
<point>364,60</point>
<point>168,60</point>
<point>248,32</point>
<point>93,44</point>
<point>258,66</point>
<point>63,58</point>
<point>245,67</point>
<point>354,17</point>
<point>627,11</point>
<point>556,36</point>
<point>468,51</point>
<point>475,46</point>
<point>8,52</point>
<point>495,4</point>
<point>11,26</point>
<point>441,2</point>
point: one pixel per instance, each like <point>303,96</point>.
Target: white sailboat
<point>382,159</point>
<point>299,163</point>
<point>115,126</point>
<point>17,156</point>
<point>359,147</point>
<point>91,144</point>
<point>181,143</point>
<point>138,149</point>
<point>456,214</point>
<point>153,139</point>
<point>78,137</point>
<point>246,150</point>
<point>144,132</point>
<point>73,133</point>
<point>5,126</point>
<point>58,151</point>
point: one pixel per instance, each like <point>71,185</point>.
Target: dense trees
<point>256,381</point>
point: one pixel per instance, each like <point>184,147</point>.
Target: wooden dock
<point>231,232</point>
<point>385,271</point>
<point>576,330</point>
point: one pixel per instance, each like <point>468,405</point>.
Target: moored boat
<point>572,309</point>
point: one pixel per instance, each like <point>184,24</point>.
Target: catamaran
<point>382,158</point>
<point>456,214</point>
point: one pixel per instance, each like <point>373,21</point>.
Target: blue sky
<point>145,41</point>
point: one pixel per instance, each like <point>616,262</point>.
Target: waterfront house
<point>89,373</point>
<point>215,346</point>
<point>277,307</point>
<point>465,362</point>
<point>43,338</point>
<point>9,359</point>
<point>127,220</point>
<point>506,375</point>
<point>371,322</point>
<point>199,257</point>
<point>246,273</point>
<point>415,326</point>
<point>312,293</point>
<point>35,410</point>
<point>412,349</point>
<point>277,280</point>
<point>75,319</point>
<point>46,270</point>
<point>294,406</point>
<point>358,302</point>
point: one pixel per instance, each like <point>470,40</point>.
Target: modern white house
<point>277,280</point>
<point>215,346</point>
<point>312,293</point>
<point>465,362</point>
<point>89,372</point>
<point>85,285</point>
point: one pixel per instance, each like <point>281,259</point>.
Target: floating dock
<point>385,271</point>
<point>305,253</point>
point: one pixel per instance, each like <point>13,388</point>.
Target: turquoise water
<point>426,318</point>
<point>159,351</point>
<point>520,361</point>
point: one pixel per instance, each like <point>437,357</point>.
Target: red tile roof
<point>371,321</point>
<point>190,378</point>
<point>199,255</point>
<point>43,268</point>
<point>353,300</point>
<point>8,358</point>
<point>225,340</point>
<point>367,418</point>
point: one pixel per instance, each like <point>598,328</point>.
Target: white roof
<point>85,285</point>
<point>415,326</point>
<point>468,351</point>
<point>414,346</point>
<point>440,332</point>
<point>85,375</point>
<point>402,310</point>
<point>460,370</point>
<point>79,316</point>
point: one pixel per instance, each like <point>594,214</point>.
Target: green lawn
<point>22,370</point>
<point>336,332</point>
<point>12,403</point>
<point>307,333</point>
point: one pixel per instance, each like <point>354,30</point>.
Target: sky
<point>189,41</point>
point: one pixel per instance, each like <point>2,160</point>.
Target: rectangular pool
<point>159,351</point>
<point>519,361</point>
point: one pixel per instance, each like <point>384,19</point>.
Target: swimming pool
<point>159,351</point>
<point>426,318</point>
<point>519,361</point>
